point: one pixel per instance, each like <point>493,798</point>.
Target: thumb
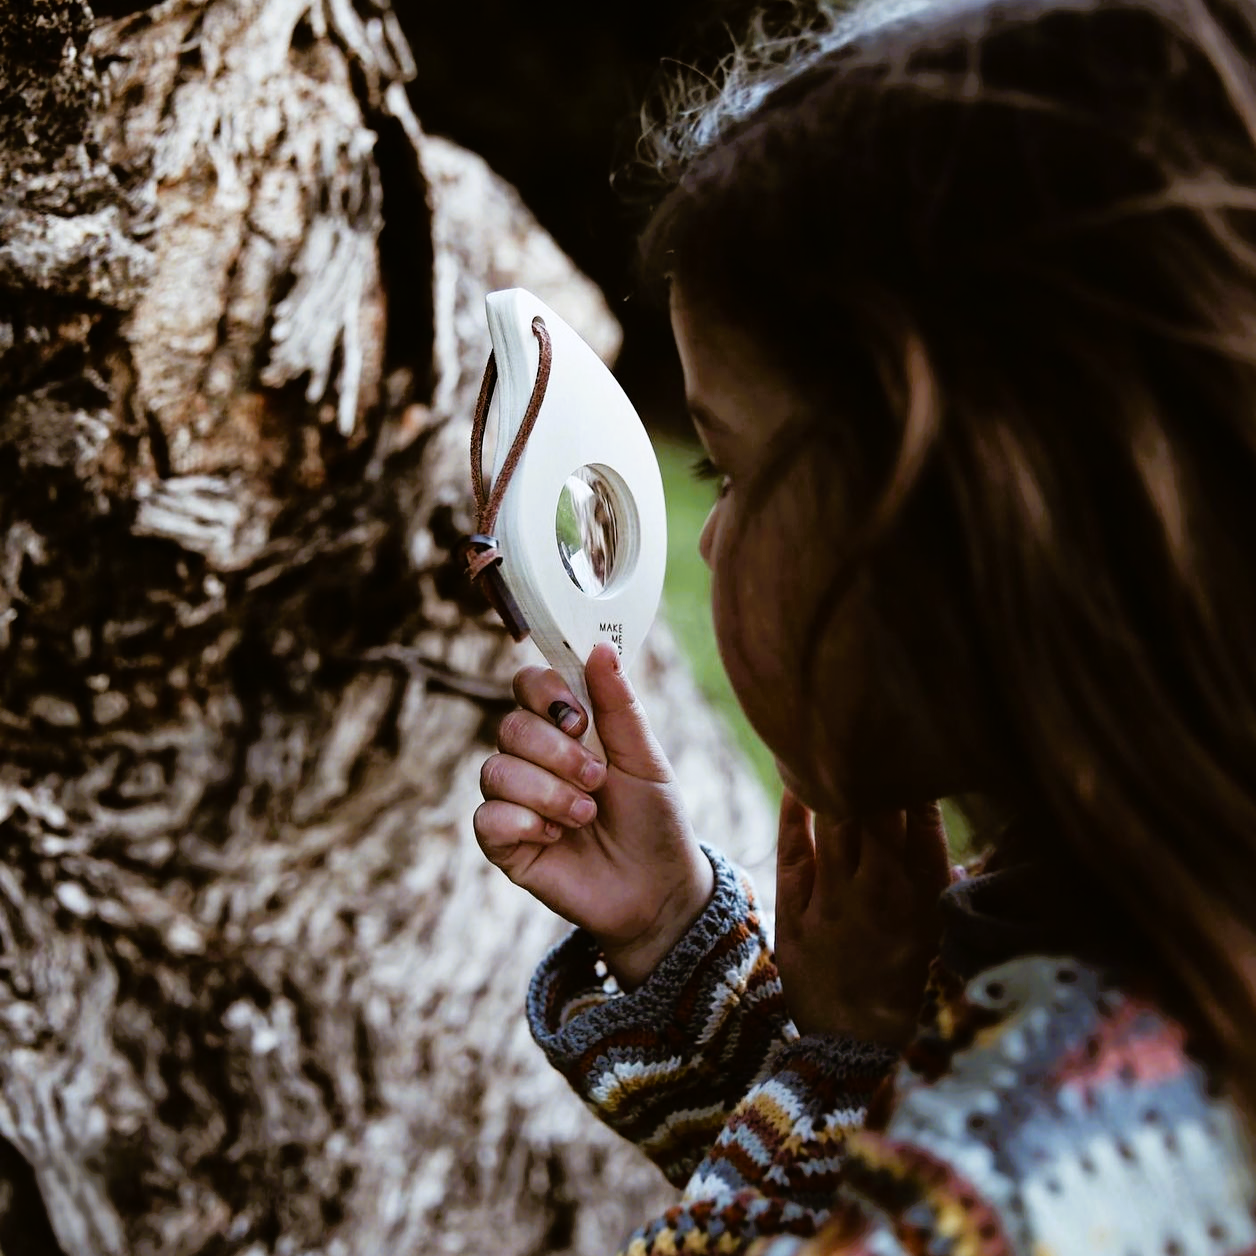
<point>795,858</point>
<point>620,719</point>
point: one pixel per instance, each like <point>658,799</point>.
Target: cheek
<point>756,612</point>
<point>766,591</point>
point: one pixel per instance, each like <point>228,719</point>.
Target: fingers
<point>507,779</point>
<point>890,856</point>
<point>509,834</point>
<point>543,691</point>
<point>904,858</point>
<point>542,780</point>
<point>795,858</point>
<point>881,848</point>
<point>621,721</point>
<point>532,738</point>
<point>839,852</point>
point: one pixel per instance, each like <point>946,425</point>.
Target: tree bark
<point>258,990</point>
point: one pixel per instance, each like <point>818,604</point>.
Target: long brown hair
<point>1008,251</point>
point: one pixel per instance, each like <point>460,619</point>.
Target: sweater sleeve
<point>771,1177</point>
<point>666,1063</point>
<point>701,1067</point>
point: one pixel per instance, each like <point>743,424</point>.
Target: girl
<point>965,297</point>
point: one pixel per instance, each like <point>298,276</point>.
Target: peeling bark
<point>258,990</point>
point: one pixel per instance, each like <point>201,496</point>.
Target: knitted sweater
<point>1039,1110</point>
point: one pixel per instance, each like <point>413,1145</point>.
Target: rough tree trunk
<point>258,991</point>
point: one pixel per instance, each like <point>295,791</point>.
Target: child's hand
<point>626,867</point>
<point>857,921</point>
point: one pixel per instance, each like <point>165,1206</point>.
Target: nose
<point>706,538</point>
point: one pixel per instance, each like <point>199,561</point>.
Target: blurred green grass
<point>687,603</point>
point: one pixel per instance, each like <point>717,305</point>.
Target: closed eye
<point>706,470</point>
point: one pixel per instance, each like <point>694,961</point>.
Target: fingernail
<point>583,810</point>
<point>552,830</point>
<point>591,773</point>
<point>566,717</point>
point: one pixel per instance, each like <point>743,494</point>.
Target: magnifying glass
<point>572,540</point>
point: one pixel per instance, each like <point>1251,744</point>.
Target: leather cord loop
<point>489,502</point>
<point>480,552</point>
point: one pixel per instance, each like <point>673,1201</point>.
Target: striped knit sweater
<point>1039,1111</point>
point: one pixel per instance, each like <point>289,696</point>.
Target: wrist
<point>631,962</point>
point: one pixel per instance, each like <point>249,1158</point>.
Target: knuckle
<point>527,680</point>
<point>511,732</point>
<point>491,775</point>
<point>549,796</point>
<point>562,799</point>
<point>573,760</point>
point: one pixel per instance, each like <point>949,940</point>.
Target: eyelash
<point>704,469</point>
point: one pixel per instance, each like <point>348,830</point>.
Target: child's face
<point>763,593</point>
<point>860,736</point>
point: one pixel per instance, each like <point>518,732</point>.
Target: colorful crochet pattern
<point>1039,1111</point>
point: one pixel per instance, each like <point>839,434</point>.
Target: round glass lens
<point>588,530</point>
